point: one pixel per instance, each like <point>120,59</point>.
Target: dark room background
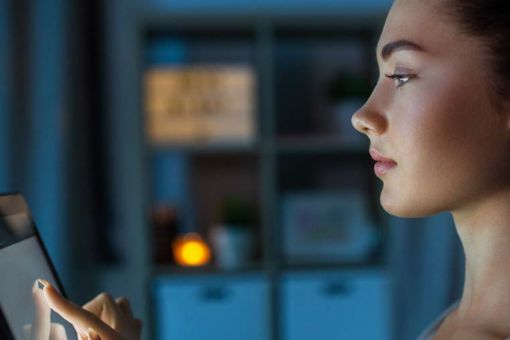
<point>111,190</point>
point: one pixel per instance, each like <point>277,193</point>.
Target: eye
<point>400,79</point>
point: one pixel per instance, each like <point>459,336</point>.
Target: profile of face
<point>432,113</point>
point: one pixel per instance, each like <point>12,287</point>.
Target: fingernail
<point>42,283</point>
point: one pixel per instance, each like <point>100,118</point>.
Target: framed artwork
<point>200,104</point>
<point>326,226</point>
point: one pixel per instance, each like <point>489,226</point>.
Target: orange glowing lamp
<point>191,250</point>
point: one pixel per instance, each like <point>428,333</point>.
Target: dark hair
<point>490,21</point>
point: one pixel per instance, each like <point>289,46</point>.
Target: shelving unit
<point>294,149</point>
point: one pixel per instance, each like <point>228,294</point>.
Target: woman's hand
<point>42,328</point>
<point>103,318</point>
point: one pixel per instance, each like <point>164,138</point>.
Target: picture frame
<point>197,104</point>
<point>326,226</point>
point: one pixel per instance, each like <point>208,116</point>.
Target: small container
<point>233,246</point>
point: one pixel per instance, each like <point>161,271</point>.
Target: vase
<point>232,245</point>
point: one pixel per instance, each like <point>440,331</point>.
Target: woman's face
<point>435,120</point>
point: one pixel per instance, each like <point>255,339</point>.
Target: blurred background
<point>197,157</point>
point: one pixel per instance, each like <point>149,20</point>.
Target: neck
<point>484,230</point>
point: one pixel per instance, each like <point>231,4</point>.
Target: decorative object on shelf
<point>234,237</point>
<point>326,227</point>
<point>347,93</point>
<point>190,250</point>
<point>165,223</point>
<point>200,104</point>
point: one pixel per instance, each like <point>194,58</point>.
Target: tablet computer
<point>24,313</point>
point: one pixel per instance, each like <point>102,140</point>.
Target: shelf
<point>163,20</point>
<point>208,148</point>
<point>173,270</point>
<point>302,140</point>
<point>312,72</point>
<point>302,172</point>
<point>320,145</point>
<point>333,266</point>
<point>283,145</point>
<point>319,20</point>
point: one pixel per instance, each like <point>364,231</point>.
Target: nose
<point>368,121</point>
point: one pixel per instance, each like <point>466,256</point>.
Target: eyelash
<point>401,79</point>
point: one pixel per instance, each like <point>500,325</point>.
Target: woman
<point>438,121</point>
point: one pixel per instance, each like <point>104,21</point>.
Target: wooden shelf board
<point>172,270</point>
<point>320,145</point>
<point>160,18</point>
<point>312,266</point>
<point>204,148</point>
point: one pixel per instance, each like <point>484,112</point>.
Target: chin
<point>406,208</point>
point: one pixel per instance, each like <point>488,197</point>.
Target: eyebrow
<point>398,45</point>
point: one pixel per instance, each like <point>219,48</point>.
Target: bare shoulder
<point>478,334</point>
<point>471,329</point>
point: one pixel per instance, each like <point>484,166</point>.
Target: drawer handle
<point>336,289</point>
<point>214,294</point>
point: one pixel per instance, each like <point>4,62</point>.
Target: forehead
<point>419,21</point>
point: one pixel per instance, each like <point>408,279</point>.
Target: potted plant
<point>233,238</point>
<point>347,92</point>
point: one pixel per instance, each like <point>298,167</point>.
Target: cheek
<point>436,136</point>
<point>433,130</point>
<point>429,128</point>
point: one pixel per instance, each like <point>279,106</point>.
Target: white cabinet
<point>212,307</point>
<point>341,305</point>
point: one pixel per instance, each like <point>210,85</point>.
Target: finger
<point>92,334</point>
<point>57,332</point>
<point>124,305</point>
<point>101,304</point>
<point>105,308</point>
<point>42,315</point>
<point>76,315</point>
<point>80,334</point>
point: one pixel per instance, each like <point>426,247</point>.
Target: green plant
<point>236,212</point>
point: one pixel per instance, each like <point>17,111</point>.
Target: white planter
<point>232,246</point>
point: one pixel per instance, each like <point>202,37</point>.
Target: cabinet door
<point>212,308</point>
<point>336,306</point>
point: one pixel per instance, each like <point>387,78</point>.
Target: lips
<point>383,164</point>
<point>377,156</point>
